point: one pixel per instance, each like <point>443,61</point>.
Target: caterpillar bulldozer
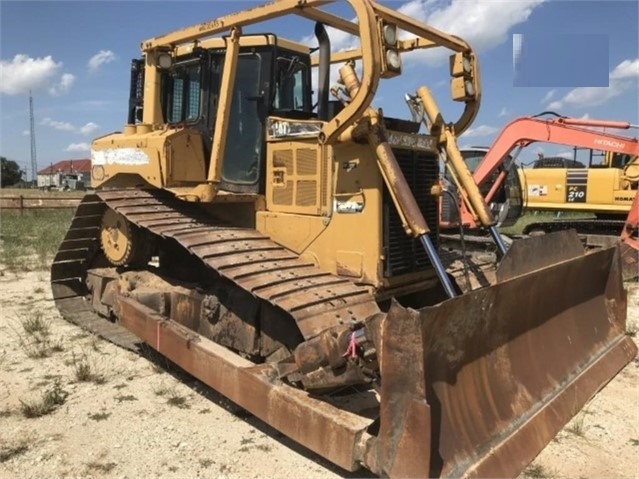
<point>286,253</point>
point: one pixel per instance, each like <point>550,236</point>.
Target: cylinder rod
<point>437,264</point>
<point>501,246</point>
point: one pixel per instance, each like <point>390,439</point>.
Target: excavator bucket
<point>502,369</point>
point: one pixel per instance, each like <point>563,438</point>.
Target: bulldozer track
<point>316,299</point>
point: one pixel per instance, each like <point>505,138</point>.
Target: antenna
<point>34,161</point>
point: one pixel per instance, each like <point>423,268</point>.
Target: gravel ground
<point>132,417</point>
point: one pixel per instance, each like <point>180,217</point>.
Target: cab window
<point>292,89</point>
<point>183,91</point>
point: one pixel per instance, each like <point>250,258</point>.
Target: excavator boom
<point>561,131</point>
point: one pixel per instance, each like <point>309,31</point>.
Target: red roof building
<point>67,166</point>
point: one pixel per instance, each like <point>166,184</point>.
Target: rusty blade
<point>506,367</point>
<point>538,252</point>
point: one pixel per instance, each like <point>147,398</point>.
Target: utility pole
<point>34,161</point>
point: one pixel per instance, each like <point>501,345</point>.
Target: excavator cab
<point>506,205</point>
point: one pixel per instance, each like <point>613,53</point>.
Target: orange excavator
<point>606,190</point>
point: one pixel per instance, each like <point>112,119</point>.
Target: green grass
<point>30,241</point>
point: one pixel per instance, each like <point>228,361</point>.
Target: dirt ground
<point>130,417</point>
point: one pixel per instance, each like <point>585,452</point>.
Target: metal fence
<point>23,203</point>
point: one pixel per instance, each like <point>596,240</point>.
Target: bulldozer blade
<point>493,375</point>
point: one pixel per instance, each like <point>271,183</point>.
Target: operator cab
<point>273,77</point>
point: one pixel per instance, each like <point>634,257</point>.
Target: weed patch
<point>85,370</point>
<point>101,467</point>
<point>10,451</point>
<point>173,398</point>
<point>537,471</point>
<point>178,401</point>
<point>576,426</point>
<point>35,338</point>
<point>100,416</point>
<point>127,398</point>
<point>50,400</point>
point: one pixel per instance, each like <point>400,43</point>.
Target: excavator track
<point>582,226</point>
<point>315,299</point>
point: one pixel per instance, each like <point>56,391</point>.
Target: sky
<point>75,57</point>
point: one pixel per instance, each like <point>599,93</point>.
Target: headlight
<point>165,60</point>
<point>393,59</point>
<point>467,65</point>
<point>470,88</point>
<point>390,35</point>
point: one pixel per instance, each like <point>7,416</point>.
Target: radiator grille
<point>402,253</point>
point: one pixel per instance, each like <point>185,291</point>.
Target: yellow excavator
<point>604,187</point>
<point>284,251</point>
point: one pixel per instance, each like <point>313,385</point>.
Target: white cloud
<point>568,154</point>
<point>481,130</point>
<point>101,58</point>
<point>587,96</point>
<point>504,112</point>
<point>58,125</point>
<point>63,86</point>
<point>625,70</point>
<point>26,132</point>
<point>340,40</point>
<point>548,96</point>
<point>88,128</point>
<point>78,147</point>
<point>23,73</point>
<point>621,78</point>
<point>482,23</point>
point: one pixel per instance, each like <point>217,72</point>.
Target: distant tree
<point>10,172</point>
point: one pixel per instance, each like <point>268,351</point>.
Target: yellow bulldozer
<point>284,250</point>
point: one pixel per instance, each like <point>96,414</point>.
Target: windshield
<point>473,158</point>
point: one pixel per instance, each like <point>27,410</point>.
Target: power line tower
<point>34,161</point>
